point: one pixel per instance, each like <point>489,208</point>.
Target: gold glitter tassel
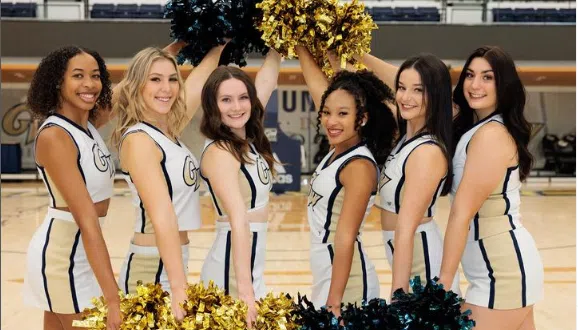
<point>149,308</point>
<point>321,26</point>
<point>209,308</point>
<point>276,313</point>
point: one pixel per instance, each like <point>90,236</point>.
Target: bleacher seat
<point>568,15</point>
<point>531,15</point>
<point>126,11</point>
<point>7,9</point>
<point>151,11</point>
<point>102,10</point>
<point>405,14</point>
<point>24,9</point>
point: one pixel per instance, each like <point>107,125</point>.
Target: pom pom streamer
<point>276,313</point>
<point>208,308</point>
<point>202,24</point>
<point>244,15</point>
<point>149,308</point>
<point>321,26</point>
<point>429,307</point>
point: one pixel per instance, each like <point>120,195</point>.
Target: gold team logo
<point>18,120</point>
<point>191,173</point>
<point>102,161</point>
<point>384,179</point>
<point>313,197</point>
<point>263,171</point>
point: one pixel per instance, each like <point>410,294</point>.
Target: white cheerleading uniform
<point>428,241</point>
<point>255,182</point>
<point>325,201</point>
<point>181,172</point>
<point>59,278</point>
<point>501,262</point>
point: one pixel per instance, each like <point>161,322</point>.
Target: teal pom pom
<point>429,307</point>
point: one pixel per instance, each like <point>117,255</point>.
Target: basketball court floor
<point>548,211</point>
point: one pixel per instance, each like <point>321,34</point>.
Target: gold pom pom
<point>149,308</point>
<point>276,313</point>
<point>321,26</point>
<point>209,308</point>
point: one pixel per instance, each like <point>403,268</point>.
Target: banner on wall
<point>286,150</point>
<point>18,125</point>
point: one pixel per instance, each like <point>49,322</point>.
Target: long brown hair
<point>213,128</point>
<point>511,102</point>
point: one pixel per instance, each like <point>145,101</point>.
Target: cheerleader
<point>499,256</point>
<point>67,260</point>
<point>236,165</point>
<point>360,131</point>
<point>162,173</point>
<point>418,171</point>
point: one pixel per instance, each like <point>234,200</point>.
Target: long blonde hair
<point>129,106</point>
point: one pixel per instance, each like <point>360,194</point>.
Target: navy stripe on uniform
<point>227,261</point>
<point>127,272</point>
<point>363,270</point>
<point>251,184</point>
<point>477,227</point>
<point>43,269</point>
<point>490,275</point>
<point>433,201</point>
<point>159,272</point>
<point>390,245</point>
<point>521,263</point>
<point>253,254</point>
<point>71,272</point>
<point>331,253</point>
<point>48,186</point>
<point>426,255</point>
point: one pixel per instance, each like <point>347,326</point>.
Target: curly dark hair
<point>44,91</point>
<point>371,96</point>
<point>510,103</point>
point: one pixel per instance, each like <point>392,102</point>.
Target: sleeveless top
<point>391,182</point>
<point>500,212</point>
<point>255,180</point>
<point>181,172</point>
<point>93,161</point>
<point>326,194</point>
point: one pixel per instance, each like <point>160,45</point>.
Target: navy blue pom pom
<point>428,307</point>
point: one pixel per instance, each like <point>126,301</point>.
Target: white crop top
<point>181,171</point>
<point>255,181</point>
<point>326,194</point>
<point>94,161</point>
<point>391,182</point>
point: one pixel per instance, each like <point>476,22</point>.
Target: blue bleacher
<point>26,9</point>
<point>531,15</point>
<point>151,11</point>
<point>102,10</point>
<point>126,11</point>
<point>7,9</point>
<point>405,14</point>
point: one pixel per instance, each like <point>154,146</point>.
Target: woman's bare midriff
<point>257,215</point>
<point>389,220</point>
<point>101,208</point>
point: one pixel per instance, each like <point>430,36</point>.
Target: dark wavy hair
<point>371,96</point>
<point>511,100</point>
<point>213,128</point>
<point>437,84</point>
<point>44,91</point>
